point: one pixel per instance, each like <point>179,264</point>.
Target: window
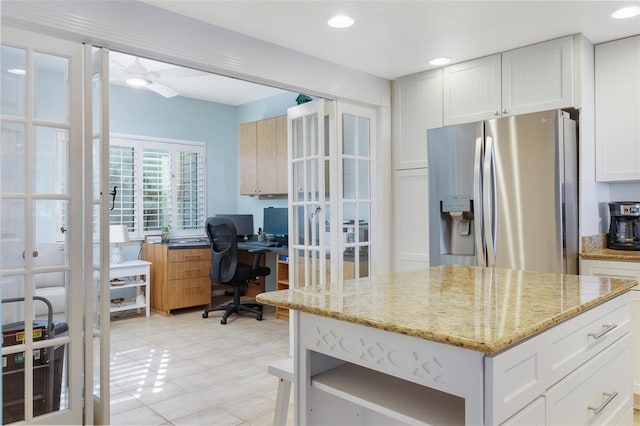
<point>158,182</point>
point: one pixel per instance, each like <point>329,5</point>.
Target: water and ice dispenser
<point>456,226</point>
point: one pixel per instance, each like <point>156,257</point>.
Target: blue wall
<point>145,113</point>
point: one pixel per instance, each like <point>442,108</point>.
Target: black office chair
<point>225,268</point>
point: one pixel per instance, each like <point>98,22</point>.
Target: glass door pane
<point>355,201</point>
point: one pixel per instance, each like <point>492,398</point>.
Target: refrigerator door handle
<point>478,205</point>
<point>489,201</point>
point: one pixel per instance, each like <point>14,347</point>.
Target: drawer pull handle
<point>609,396</point>
<point>192,287</point>
<point>192,255</point>
<point>605,329</point>
<point>192,270</point>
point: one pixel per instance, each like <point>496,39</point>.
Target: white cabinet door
<point>417,106</point>
<point>606,268</point>
<point>411,231</point>
<point>617,75</point>
<point>538,77</point>
<point>472,90</point>
<point>596,393</point>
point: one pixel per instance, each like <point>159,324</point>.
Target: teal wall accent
<point>145,113</point>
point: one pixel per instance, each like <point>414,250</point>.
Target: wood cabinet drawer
<point>186,255</point>
<point>197,268</point>
<point>597,393</point>
<point>189,292</point>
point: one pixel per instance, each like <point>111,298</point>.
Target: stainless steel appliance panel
<point>452,157</point>
<point>504,193</point>
<point>528,197</point>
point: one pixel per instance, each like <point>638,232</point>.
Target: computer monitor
<point>242,222</point>
<point>276,222</point>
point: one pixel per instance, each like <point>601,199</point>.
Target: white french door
<point>41,232</point>
<point>310,127</point>
<point>331,183</point>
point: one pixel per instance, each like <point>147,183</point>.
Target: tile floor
<point>187,370</point>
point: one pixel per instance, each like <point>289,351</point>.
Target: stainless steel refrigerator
<point>504,193</point>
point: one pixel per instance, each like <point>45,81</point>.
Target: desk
<point>180,272</point>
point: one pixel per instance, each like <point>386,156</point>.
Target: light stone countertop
<point>483,309</point>
<point>610,254</point>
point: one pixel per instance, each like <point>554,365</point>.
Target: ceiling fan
<point>137,75</point>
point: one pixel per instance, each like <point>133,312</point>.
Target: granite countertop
<point>477,308</point>
<point>610,254</point>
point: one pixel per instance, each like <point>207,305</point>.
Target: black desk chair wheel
<point>226,270</point>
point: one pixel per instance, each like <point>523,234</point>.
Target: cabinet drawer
<point>197,268</point>
<point>185,255</point>
<point>189,292</point>
<point>573,343</point>
<point>598,392</point>
<point>522,373</point>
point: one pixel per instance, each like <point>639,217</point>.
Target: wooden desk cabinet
<point>180,277</point>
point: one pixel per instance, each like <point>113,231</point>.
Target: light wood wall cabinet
<point>263,156</point>
<point>529,79</point>
<point>617,76</point>
<point>619,269</point>
<point>180,277</point>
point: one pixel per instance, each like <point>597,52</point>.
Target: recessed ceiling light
<point>136,82</point>
<point>440,61</point>
<point>340,21</point>
<point>626,12</point>
<point>16,71</point>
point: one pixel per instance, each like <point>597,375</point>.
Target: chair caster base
<point>205,315</point>
<point>223,321</point>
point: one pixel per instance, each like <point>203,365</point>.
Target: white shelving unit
<point>135,273</point>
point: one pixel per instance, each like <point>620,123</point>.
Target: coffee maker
<point>624,230</point>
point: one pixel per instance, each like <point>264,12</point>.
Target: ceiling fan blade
<point>161,89</point>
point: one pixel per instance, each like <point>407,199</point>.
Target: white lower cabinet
<point>597,393</point>
<point>573,373</point>
<point>621,269</point>
<point>411,235</point>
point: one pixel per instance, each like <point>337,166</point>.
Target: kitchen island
<point>462,345</point>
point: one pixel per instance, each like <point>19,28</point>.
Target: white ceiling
<point>191,83</point>
<point>394,38</point>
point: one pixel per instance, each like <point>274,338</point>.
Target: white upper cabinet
<point>417,106</point>
<point>617,76</point>
<point>529,79</point>
<point>538,77</point>
<point>472,90</point>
